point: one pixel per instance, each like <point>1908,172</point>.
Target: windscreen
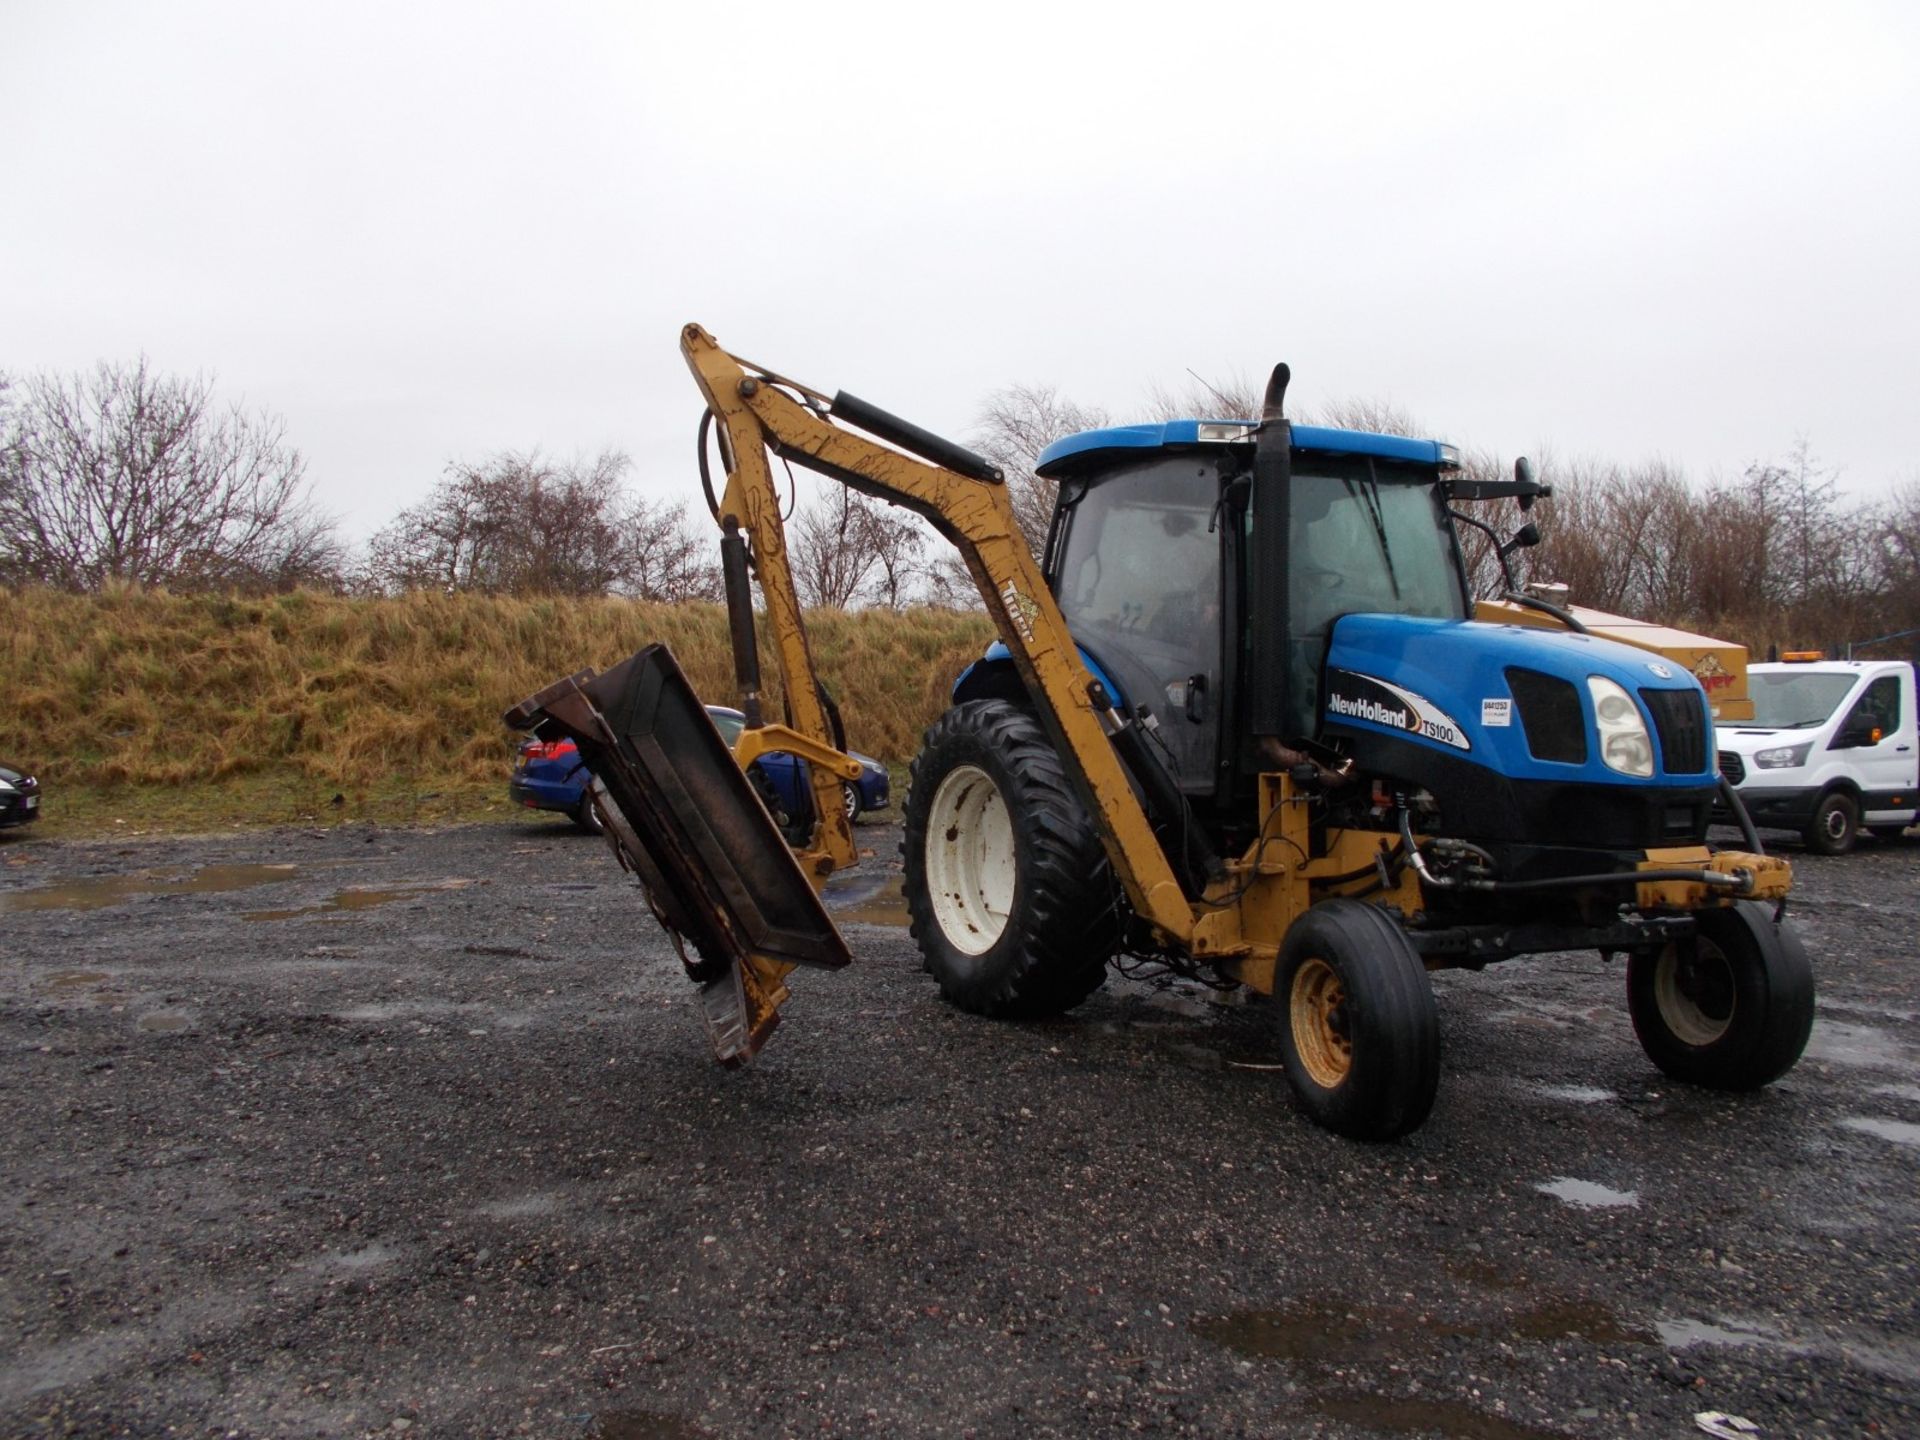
<point>1365,541</point>
<point>1795,700</point>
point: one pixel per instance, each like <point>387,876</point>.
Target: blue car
<point>550,776</point>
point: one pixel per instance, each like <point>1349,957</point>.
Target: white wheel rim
<point>1678,996</point>
<point>970,860</point>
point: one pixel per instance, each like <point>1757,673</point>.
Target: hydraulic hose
<point>1738,806</point>
<point>1713,879</point>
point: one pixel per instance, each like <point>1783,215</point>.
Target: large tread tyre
<point>1835,822</point>
<point>1009,894</point>
<point>1730,1010</point>
<point>1359,1030</point>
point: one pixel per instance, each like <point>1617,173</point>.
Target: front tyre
<point>1729,1010</point>
<point>1009,894</point>
<point>1836,820</point>
<point>1359,1030</point>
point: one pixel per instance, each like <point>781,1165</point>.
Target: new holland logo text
<point>1396,715</point>
<point>1362,697</point>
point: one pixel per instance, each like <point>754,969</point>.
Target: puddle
<point>1453,1418</point>
<point>1588,1194</point>
<point>641,1425</point>
<point>871,899</point>
<point>65,982</point>
<point>379,1012</point>
<point>520,1207</point>
<point>1858,1045</point>
<point>356,1262</point>
<point>117,889</point>
<point>1325,1341</point>
<point>1901,1132</point>
<point>1315,1334</point>
<point>1578,1094</point>
<point>1684,1334</point>
<point>360,899</point>
<point>164,1022</point>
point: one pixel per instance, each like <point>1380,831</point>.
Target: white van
<point>1831,745</point>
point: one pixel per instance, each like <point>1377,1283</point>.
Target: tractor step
<point>682,816</point>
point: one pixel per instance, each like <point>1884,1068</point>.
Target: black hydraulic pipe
<point>912,439</point>
<point>1545,607</point>
<point>746,647</point>
<point>1738,806</point>
<point>1169,812</point>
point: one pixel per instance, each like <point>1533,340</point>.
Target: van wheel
<point>1359,1030</point>
<point>1009,895</point>
<point>1731,1008</point>
<point>1835,822</point>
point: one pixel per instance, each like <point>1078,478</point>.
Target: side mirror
<point>1525,538</point>
<point>1523,477</point>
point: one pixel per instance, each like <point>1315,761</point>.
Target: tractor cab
<point>1160,558</point>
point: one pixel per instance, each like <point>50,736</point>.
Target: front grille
<point>1680,717</point>
<point>1552,716</point>
<point>1732,766</point>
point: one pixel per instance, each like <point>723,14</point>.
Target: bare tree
<point>664,558</point>
<point>826,549</point>
<point>125,475</point>
<point>1018,423</point>
<point>515,524</point>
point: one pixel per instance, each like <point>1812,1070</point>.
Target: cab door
<point>1876,739</point>
<point>1138,577</point>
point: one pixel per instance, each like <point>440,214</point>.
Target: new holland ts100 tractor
<point>1241,719</point>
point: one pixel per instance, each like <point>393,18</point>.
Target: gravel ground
<point>372,1132</point>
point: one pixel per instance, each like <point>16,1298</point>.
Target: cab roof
<point>1114,441</point>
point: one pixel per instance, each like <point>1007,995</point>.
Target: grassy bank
<point>178,712</point>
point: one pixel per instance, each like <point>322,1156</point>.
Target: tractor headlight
<point>1624,742</point>
<point>1783,757</point>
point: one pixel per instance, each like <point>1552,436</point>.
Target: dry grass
<point>193,712</point>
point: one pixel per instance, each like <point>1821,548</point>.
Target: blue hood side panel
<point>1443,684</point>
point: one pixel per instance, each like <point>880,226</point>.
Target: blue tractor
<point>1272,607</point>
<point>1241,720</point>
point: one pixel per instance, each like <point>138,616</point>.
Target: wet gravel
<point>377,1132</point>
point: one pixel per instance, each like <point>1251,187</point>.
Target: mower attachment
<point>681,815</point>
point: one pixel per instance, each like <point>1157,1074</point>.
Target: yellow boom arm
<point>758,412</point>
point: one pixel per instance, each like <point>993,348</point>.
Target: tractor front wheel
<point>1730,1009</point>
<point>1009,894</point>
<point>1359,1030</point>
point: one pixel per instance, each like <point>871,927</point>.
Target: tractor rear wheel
<point>1009,894</point>
<point>1729,1010</point>
<point>1359,1030</point>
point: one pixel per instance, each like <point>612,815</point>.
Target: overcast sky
<point>428,231</point>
